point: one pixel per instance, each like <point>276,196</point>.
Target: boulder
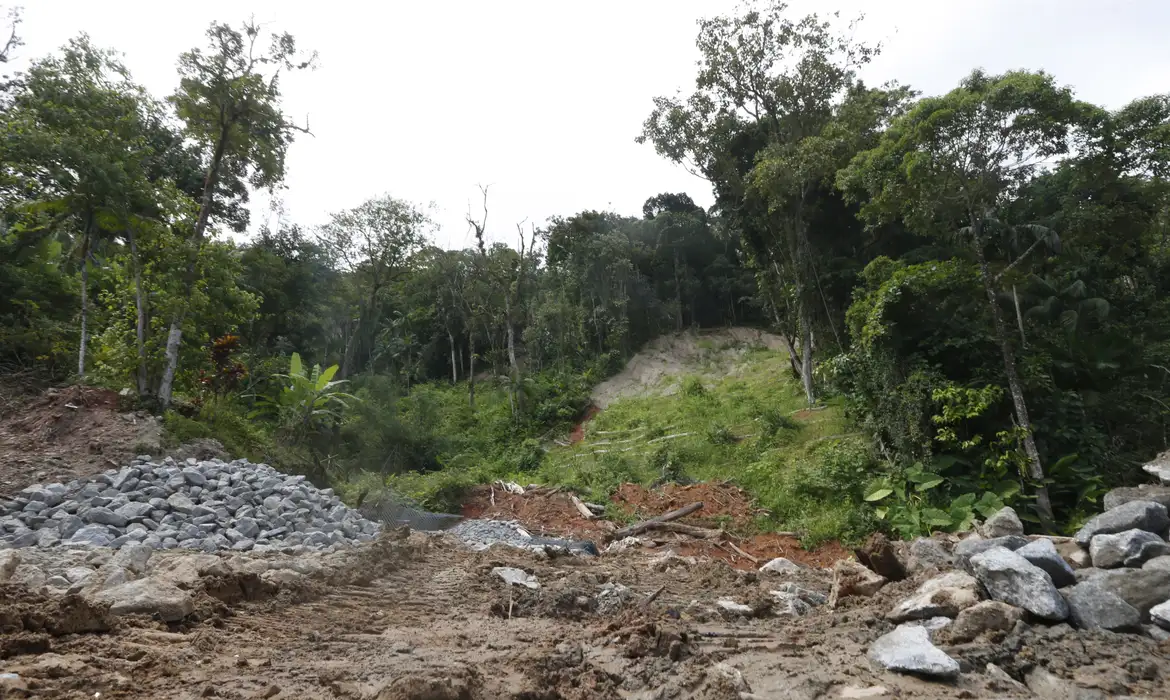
<point>944,596</point>
<point>1160,467</point>
<point>1091,606</point>
<point>147,596</point>
<point>1160,615</point>
<point>1003,523</point>
<point>1158,563</point>
<point>1130,548</point>
<point>93,535</point>
<point>850,578</point>
<point>1144,492</point>
<point>1141,588</point>
<point>1134,515</point>
<point>105,516</point>
<point>9,560</point>
<point>1010,578</point>
<point>780,565</point>
<point>925,553</point>
<point>908,650</point>
<point>1042,553</point>
<point>987,616</point>
<point>971,546</point>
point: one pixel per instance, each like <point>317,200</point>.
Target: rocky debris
<point>147,596</point>
<point>810,597</point>
<point>1003,523</point>
<point>850,578</point>
<point>1042,553</point>
<point>1000,681</point>
<point>780,565</point>
<point>925,553</point>
<point>482,534</point>
<point>944,595</point>
<point>1130,548</point>
<point>1092,606</point>
<point>734,609</point>
<point>975,544</point>
<point>987,616</point>
<point>9,561</point>
<point>908,650</point>
<point>1134,515</point>
<point>210,505</point>
<point>1144,492</point>
<point>1160,468</point>
<point>1010,578</point>
<point>789,604</point>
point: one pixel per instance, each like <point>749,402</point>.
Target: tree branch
<point>1018,260</point>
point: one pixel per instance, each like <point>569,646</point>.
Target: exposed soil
<point>63,434</point>
<point>542,511</point>
<point>430,621</point>
<point>578,432</point>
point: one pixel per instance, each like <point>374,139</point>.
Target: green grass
<point>749,428</point>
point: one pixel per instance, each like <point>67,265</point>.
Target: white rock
<point>733,607</point>
<point>147,596</point>
<point>1160,614</point>
<point>1012,579</point>
<point>944,596</point>
<point>780,565</point>
<point>516,577</point>
<point>908,650</point>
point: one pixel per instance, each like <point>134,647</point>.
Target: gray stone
<point>1042,553</point>
<point>1141,588</point>
<point>971,546</point>
<point>925,553</point>
<point>1158,563</point>
<point>148,596</point>
<point>1012,579</point>
<point>1160,615</point>
<point>1129,548</point>
<point>944,596</point>
<point>77,574</point>
<point>248,527</point>
<point>105,516</point>
<point>244,545</point>
<point>1160,467</point>
<point>180,503</point>
<point>1144,492</point>
<point>1091,606</point>
<point>194,477</point>
<point>95,535</point>
<point>908,650</point>
<point>1134,515</point>
<point>9,561</point>
<point>1003,523</point>
<point>134,510</point>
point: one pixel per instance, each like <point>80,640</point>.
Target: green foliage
<point>306,401</point>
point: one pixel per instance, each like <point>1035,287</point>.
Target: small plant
<point>693,387</point>
<point>307,400</point>
<point>719,434</point>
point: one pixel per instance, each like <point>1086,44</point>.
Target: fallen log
<point>664,518</point>
<point>585,512</point>
<point>702,533</point>
<point>742,553</point>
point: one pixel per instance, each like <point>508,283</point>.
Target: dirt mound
<point>544,512</point>
<point>713,353</point>
<point>63,434</point>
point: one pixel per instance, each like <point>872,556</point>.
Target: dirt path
<point>435,625</point>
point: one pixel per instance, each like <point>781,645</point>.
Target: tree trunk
<point>84,306</point>
<point>175,336</point>
<point>678,295</point>
<point>454,367</point>
<point>1019,318</point>
<point>470,367</point>
<point>806,356</point>
<point>140,316</point>
<point>515,390</point>
<point>1036,469</point>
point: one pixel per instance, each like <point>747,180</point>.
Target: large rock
<point>1134,515</point>
<point>1158,563</point>
<point>1160,467</point>
<point>1042,553</point>
<point>850,578</point>
<point>105,516</point>
<point>1141,588</point>
<point>1160,615</point>
<point>1144,492</point>
<point>1091,606</point>
<point>1003,523</point>
<point>908,650</point>
<point>988,616</point>
<point>147,596</point>
<point>1129,548</point>
<point>941,596</point>
<point>1012,579</point>
<point>925,553</point>
<point>974,545</point>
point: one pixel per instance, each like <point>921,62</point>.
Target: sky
<point>541,100</point>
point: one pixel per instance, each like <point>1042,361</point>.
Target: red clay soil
<point>724,505</point>
<point>550,512</point>
<point>578,433</point>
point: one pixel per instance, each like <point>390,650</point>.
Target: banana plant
<point>307,398</point>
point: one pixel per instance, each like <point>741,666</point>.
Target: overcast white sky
<point>542,99</point>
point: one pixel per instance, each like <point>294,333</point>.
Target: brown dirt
<point>578,432</point>
<point>429,621</point>
<point>723,504</point>
<point>63,434</point>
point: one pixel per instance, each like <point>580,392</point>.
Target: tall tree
<point>951,164</point>
<point>229,101</point>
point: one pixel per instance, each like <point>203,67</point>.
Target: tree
<point>232,110</point>
<point>950,164</point>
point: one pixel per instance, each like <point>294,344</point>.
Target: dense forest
<point>977,279</point>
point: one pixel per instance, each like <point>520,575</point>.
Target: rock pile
<point>1114,575</point>
<point>207,505</point>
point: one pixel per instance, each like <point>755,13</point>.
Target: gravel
<point>207,505</point>
<point>482,534</point>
